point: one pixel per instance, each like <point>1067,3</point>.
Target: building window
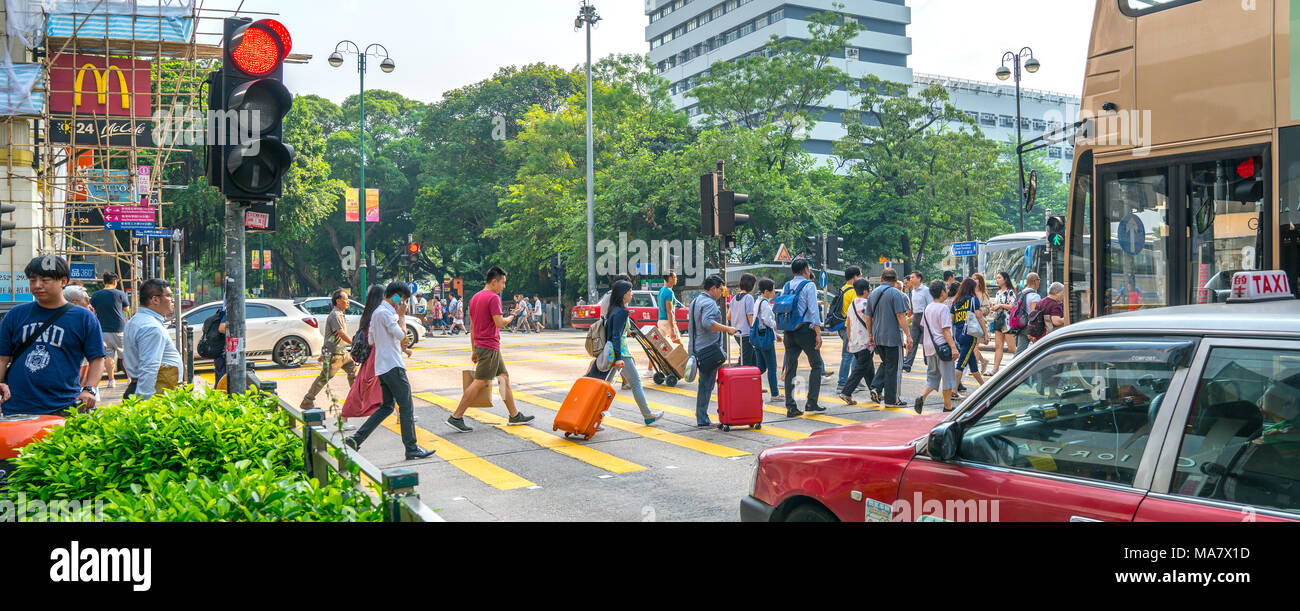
<point>988,119</point>
<point>851,53</point>
<point>690,25</point>
<point>972,114</point>
<point>778,15</point>
<point>1006,121</point>
<point>1026,123</point>
<point>717,11</point>
<point>761,22</point>
<point>1039,125</point>
<point>732,35</point>
<point>1054,153</point>
<point>705,18</point>
<point>747,29</point>
<point>732,4</point>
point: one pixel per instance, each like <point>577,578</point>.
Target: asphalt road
<point>671,471</point>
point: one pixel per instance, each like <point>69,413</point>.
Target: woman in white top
<point>1001,312</point>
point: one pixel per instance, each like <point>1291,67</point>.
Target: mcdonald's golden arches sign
<point>94,85</point>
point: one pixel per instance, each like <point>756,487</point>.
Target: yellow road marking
<point>463,459</point>
<point>767,408</point>
<point>690,413</point>
<point>650,432</point>
<point>556,444</point>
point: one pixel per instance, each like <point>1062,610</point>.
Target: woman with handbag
<point>1003,303</point>
<point>762,336</point>
<point>986,308</point>
<point>616,329</point>
<point>707,335</point>
<point>365,395</point>
<point>967,327</point>
<point>940,348</point>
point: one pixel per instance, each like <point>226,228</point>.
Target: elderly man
<point>151,359</point>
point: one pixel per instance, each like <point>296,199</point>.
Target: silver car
<point>276,329</point>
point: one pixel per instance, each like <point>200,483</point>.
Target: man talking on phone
<point>387,330</point>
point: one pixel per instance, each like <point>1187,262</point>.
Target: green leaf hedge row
<point>185,456</point>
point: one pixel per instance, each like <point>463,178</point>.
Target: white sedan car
<point>276,329</point>
<point>320,307</point>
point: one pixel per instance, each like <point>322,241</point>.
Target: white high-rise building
<point>687,36</point>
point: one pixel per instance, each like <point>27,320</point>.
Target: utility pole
<point>236,367</point>
<point>587,15</point>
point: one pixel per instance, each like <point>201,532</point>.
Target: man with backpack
<point>212,343</point>
<point>42,345</point>
<point>799,318</point>
<point>1026,303</point>
<point>1049,315</point>
<point>837,320</point>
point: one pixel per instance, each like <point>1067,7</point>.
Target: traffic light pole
<point>236,367</point>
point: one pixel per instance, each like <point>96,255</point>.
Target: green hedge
<point>185,456</point>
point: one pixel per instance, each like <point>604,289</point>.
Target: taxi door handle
<point>1084,519</point>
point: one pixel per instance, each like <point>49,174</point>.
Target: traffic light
<point>814,250</point>
<point>557,270</point>
<point>728,220</point>
<point>709,205</point>
<point>413,253</point>
<point>833,252</point>
<point>247,158</point>
<point>1056,231</point>
<point>7,226</point>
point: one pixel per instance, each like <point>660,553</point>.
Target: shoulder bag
<point>944,352</point>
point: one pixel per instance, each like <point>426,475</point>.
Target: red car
<point>1187,413</point>
<point>644,308</point>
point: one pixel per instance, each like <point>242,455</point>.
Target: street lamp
<point>1005,73</point>
<point>387,65</point>
<point>587,16</point>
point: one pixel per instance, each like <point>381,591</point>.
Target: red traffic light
<point>258,48</point>
<point>413,248</point>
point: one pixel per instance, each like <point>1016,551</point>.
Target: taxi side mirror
<point>943,442</point>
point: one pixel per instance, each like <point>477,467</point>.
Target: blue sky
<point>444,44</point>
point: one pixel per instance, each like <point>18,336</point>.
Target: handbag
<point>762,337</point>
<point>706,357</point>
<point>973,327</point>
<point>944,352</point>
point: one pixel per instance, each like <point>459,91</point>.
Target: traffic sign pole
<point>236,368</point>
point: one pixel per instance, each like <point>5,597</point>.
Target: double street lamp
<point>387,65</point>
<point>1026,55</point>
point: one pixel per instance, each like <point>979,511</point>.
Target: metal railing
<point>399,499</point>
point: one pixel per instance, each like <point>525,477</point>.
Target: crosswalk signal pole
<point>236,366</point>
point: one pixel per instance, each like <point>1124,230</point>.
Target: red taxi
<point>644,308</point>
<point>19,430</point>
<point>1186,413</point>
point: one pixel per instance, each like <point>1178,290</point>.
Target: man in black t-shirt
<point>111,306</point>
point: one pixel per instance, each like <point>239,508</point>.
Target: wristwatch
<point>91,389</point>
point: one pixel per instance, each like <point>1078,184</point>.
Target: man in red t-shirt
<point>486,323</point>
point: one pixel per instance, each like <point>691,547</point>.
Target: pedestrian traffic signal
<point>709,205</point>
<point>814,251</point>
<point>834,252</point>
<point>247,158</point>
<point>1056,231</point>
<point>557,270</point>
<point>413,252</point>
<point>728,220</point>
<point>7,226</point>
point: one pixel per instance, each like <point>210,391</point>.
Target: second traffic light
<point>815,249</point>
<point>247,158</point>
<point>1056,231</point>
<point>728,220</point>
<point>834,252</point>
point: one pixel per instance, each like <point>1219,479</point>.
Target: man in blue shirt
<point>806,338</point>
<point>668,309</point>
<point>150,358</point>
<point>706,332</point>
<point>46,374</point>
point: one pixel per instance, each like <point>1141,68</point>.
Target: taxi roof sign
<point>1250,287</point>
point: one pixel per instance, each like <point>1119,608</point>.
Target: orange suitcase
<point>585,406</point>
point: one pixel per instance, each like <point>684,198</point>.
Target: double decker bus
<point>1187,154</point>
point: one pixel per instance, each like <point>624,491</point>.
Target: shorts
<point>940,375</point>
<point>113,345</point>
<point>488,364</point>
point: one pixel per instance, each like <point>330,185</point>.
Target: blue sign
<point>1132,235</point>
<point>965,249</point>
<point>415,288</point>
<point>127,225</point>
<point>646,269</point>
<point>83,271</point>
<point>153,234</point>
<point>111,187</point>
<point>823,279</point>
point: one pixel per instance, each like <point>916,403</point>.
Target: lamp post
<point>1027,55</point>
<point>387,65</point>
<point>587,16</point>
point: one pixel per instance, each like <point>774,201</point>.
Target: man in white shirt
<point>150,358</point>
<point>387,330</point>
<point>538,312</point>
<point>1031,298</point>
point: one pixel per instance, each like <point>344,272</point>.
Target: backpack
<point>1019,319</point>
<point>595,342</point>
<point>212,345</point>
<point>360,347</point>
<point>835,320</point>
<point>1037,326</point>
<point>786,309</point>
<point>759,335</point>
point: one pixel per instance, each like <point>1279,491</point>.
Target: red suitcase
<point>585,406</point>
<point>740,398</point>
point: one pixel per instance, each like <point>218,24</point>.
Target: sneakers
<point>776,399</point>
<point>847,399</point>
<point>518,419</point>
<point>459,424</point>
<point>916,405</point>
<point>899,402</point>
<point>875,396</point>
<point>654,417</point>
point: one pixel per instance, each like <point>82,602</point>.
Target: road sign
<point>160,233</point>
<point>1132,235</point>
<point>823,279</point>
<point>124,225</point>
<point>130,217</point>
<point>83,271</point>
<point>783,255</point>
<point>415,288</point>
<point>965,249</point>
